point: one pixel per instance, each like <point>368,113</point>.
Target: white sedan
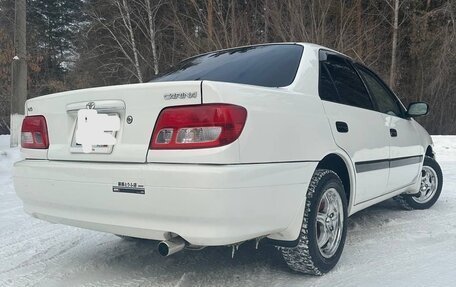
<point>278,143</point>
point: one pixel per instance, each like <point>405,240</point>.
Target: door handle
<point>342,127</point>
<point>393,133</point>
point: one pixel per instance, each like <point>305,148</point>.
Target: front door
<point>406,152</point>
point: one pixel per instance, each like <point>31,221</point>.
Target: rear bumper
<point>204,204</point>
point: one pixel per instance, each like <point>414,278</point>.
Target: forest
<point>74,44</point>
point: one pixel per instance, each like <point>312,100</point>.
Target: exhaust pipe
<point>171,246</point>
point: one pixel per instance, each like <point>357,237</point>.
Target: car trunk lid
<point>137,106</point>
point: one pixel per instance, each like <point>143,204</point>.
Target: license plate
<point>95,132</point>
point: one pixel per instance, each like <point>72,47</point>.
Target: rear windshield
<point>268,66</point>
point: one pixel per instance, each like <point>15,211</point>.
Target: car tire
<point>430,187</point>
<point>325,196</point>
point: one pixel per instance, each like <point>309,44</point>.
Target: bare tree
<point>150,32</point>
<point>119,30</point>
<point>124,11</point>
<point>392,76</point>
<point>360,28</point>
<point>266,13</point>
<point>210,19</point>
<point>409,43</point>
<point>151,14</point>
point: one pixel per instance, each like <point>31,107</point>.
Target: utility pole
<point>19,71</point>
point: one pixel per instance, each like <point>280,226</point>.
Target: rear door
<point>406,152</point>
<point>357,129</point>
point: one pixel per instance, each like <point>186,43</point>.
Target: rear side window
<point>268,66</point>
<point>349,86</point>
<point>326,87</point>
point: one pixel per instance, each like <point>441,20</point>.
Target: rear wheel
<point>324,226</point>
<point>430,187</point>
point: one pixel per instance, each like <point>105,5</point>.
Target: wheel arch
<point>342,165</point>
<point>339,162</point>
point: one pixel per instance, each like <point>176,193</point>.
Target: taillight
<point>34,134</point>
<point>198,126</point>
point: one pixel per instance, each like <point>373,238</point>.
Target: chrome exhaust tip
<point>171,246</point>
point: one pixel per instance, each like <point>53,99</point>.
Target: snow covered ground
<point>386,246</point>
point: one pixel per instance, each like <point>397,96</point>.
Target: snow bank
<point>386,246</point>
<point>445,147</point>
<point>8,156</point>
<point>4,141</point>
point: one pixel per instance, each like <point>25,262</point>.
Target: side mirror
<point>417,109</point>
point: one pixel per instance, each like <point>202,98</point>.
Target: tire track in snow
<point>38,257</point>
<point>385,247</point>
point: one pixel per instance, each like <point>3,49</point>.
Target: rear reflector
<point>34,134</point>
<point>198,126</point>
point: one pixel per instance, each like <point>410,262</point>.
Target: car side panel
<point>281,125</point>
<point>425,138</point>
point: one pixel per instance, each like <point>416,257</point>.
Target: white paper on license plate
<point>94,129</point>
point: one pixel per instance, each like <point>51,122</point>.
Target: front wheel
<point>430,187</point>
<point>324,226</point>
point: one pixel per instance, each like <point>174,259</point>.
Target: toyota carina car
<point>277,143</point>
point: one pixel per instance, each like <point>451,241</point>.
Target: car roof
<point>304,44</point>
<point>320,47</point>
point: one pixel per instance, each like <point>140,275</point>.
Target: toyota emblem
<point>90,106</point>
